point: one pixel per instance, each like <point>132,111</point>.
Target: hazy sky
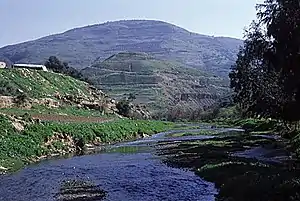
<point>23,20</point>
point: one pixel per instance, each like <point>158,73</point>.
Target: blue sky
<point>23,20</point>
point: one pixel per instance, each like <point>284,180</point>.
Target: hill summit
<point>81,47</point>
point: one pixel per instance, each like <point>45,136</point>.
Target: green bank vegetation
<point>18,148</point>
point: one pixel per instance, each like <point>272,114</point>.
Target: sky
<point>23,20</point>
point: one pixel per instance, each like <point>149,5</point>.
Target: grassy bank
<point>18,148</point>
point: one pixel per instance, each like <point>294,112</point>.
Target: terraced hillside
<point>159,84</point>
<point>81,47</point>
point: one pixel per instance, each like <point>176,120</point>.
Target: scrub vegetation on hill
<point>39,84</point>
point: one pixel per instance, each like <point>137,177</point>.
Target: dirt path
<point>68,118</point>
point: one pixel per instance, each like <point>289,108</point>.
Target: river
<point>126,171</point>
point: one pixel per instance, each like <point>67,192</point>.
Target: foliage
<point>7,89</point>
<point>131,97</point>
<point>54,64</point>
<point>124,107</point>
<point>21,99</point>
<point>266,76</point>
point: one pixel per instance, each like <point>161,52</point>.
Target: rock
<point>49,102</point>
<point>18,126</point>
<point>3,168</point>
<point>6,101</point>
<point>145,135</point>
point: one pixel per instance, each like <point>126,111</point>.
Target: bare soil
<point>69,118</point>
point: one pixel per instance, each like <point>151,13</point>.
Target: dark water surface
<point>127,171</point>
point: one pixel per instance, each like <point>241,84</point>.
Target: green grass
<point>19,148</point>
<point>38,84</point>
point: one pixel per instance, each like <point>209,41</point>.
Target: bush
<point>21,99</point>
<point>7,89</point>
<point>124,108</point>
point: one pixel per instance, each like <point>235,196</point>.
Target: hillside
<point>161,85</point>
<point>47,93</point>
<point>39,84</point>
<point>84,46</point>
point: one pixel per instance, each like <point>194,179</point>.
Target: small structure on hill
<point>30,66</point>
<point>2,64</point>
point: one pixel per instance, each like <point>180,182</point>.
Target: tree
<point>54,64</point>
<point>266,76</point>
<point>282,19</point>
<point>131,97</point>
<point>124,107</point>
<point>57,66</point>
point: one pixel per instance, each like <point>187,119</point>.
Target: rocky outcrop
<point>140,112</point>
<point>20,122</point>
<point>96,100</point>
<point>61,143</point>
<point>6,101</point>
<point>12,101</point>
<point>48,102</point>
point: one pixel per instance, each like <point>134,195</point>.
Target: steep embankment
<point>82,46</point>
<point>161,85</point>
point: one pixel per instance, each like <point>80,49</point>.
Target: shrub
<point>124,108</point>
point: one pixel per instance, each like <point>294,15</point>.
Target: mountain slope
<point>84,46</point>
<point>161,85</point>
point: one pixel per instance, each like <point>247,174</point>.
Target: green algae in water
<point>80,190</point>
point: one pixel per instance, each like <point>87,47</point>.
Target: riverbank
<point>24,140</point>
<point>243,166</point>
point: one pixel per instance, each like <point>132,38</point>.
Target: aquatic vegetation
<point>80,190</point>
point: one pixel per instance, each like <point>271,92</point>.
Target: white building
<point>30,66</point>
<point>2,64</point>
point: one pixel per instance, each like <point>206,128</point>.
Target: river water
<point>126,171</point>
